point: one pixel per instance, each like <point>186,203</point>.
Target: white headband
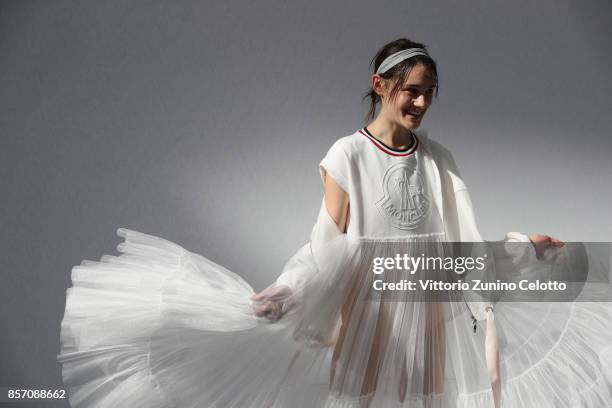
<point>398,57</point>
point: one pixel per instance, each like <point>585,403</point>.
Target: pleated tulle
<point>159,326</point>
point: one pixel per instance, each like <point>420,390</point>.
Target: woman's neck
<point>390,134</point>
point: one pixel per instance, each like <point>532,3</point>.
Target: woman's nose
<point>420,102</point>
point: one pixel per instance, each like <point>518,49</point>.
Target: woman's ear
<point>379,85</point>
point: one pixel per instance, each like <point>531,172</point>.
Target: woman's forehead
<point>420,81</point>
<point>420,75</point>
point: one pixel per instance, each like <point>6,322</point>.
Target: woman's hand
<point>543,242</point>
<point>274,301</point>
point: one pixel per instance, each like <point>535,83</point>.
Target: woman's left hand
<point>273,302</point>
<point>543,242</point>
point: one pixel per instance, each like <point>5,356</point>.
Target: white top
<point>396,195</point>
<point>390,192</point>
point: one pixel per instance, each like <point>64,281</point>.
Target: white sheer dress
<point>160,326</point>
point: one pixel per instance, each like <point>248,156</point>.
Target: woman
<point>160,326</point>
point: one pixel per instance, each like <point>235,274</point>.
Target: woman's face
<point>413,98</point>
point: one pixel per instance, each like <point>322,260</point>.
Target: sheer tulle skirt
<point>159,326</point>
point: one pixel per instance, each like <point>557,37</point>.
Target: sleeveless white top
<point>390,191</point>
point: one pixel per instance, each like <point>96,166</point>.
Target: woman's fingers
<point>263,309</point>
<point>272,293</point>
<point>257,296</point>
<point>557,243</point>
<point>270,310</point>
<point>543,242</point>
<point>263,294</point>
<point>275,301</point>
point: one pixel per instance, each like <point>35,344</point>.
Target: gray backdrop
<point>204,123</point>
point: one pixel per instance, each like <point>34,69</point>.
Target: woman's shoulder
<point>347,146</point>
<point>339,161</point>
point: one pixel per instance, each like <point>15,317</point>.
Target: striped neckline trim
<point>389,150</point>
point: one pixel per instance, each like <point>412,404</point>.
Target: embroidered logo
<point>404,201</point>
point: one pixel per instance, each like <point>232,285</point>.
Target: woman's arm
<point>337,203</point>
<point>276,300</point>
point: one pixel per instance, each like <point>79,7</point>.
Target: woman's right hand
<point>273,302</point>
<point>543,242</point>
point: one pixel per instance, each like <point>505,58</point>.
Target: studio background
<point>204,123</point>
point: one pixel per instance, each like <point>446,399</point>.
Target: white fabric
<point>347,159</point>
<point>299,267</point>
<point>160,326</point>
<point>452,203</point>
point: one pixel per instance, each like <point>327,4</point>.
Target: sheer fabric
<point>160,326</point>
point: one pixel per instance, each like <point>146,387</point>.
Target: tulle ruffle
<point>160,326</point>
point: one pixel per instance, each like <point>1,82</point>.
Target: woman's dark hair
<point>399,73</point>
